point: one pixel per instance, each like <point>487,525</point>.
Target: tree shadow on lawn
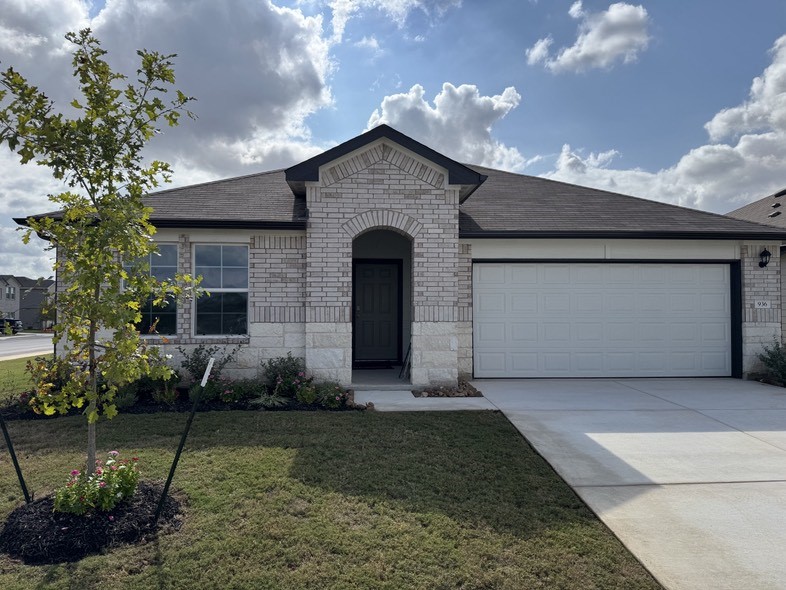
<point>473,467</point>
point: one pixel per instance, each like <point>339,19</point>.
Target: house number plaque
<point>762,304</point>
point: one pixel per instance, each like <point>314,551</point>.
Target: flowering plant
<point>114,481</point>
<point>331,395</point>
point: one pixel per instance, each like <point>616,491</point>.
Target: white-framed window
<point>10,292</point>
<point>163,266</point>
<point>224,271</point>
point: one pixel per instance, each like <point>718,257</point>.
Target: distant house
<point>35,295</point>
<point>9,296</point>
<point>771,210</point>
<point>23,299</point>
<point>382,249</point>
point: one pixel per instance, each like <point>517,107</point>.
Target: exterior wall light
<point>764,258</point>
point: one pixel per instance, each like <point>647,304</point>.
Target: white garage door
<point>601,320</point>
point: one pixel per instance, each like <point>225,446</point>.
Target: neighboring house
<point>381,243</point>
<point>10,296</point>
<point>770,210</point>
<point>23,299</point>
<point>35,295</point>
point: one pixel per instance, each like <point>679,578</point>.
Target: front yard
<point>333,500</point>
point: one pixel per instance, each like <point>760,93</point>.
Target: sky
<point>680,102</point>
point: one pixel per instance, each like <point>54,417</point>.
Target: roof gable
<point>457,174</point>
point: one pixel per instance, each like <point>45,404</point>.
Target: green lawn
<point>300,500</point>
<point>13,378</point>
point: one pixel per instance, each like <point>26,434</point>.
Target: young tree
<point>102,220</point>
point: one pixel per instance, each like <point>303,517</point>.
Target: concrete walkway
<point>689,473</point>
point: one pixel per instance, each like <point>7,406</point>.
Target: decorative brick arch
<point>382,219</point>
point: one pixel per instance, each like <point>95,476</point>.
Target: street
<point>23,345</point>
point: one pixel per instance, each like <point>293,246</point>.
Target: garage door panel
<point>491,303</point>
<point>601,320</point>
<point>524,332</point>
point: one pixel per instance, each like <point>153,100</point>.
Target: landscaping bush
<point>113,482</point>
<point>245,389</point>
<point>774,358</point>
<point>331,395</point>
<point>285,375</point>
<point>195,362</point>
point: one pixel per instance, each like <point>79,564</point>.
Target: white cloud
<point>458,124</point>
<point>540,51</point>
<point>258,71</point>
<point>717,176</point>
<point>396,10</point>
<point>766,106</point>
<point>604,38</point>
<point>371,45</point>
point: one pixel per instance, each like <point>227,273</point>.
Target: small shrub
<point>331,395</point>
<point>49,374</point>
<point>246,389</point>
<point>269,400</point>
<point>195,362</point>
<point>285,375</point>
<point>114,481</point>
<point>164,392</point>
<point>126,396</point>
<point>307,394</point>
<point>774,358</point>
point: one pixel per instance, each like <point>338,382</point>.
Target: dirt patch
<point>37,535</point>
<point>464,389</point>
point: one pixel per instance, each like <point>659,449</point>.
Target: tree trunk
<point>93,373</point>
<point>91,444</point>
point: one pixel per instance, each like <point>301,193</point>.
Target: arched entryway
<point>381,301</point>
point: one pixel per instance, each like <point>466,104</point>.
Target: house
<point>35,296</point>
<point>23,299</point>
<point>770,211</point>
<point>10,295</point>
<point>382,246</point>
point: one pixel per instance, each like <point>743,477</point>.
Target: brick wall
<point>760,327</point>
<point>382,187</point>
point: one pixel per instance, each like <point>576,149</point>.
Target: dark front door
<point>377,316</point>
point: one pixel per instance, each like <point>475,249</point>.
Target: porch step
<point>381,387</point>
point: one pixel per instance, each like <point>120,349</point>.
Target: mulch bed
<point>37,535</point>
<point>464,389</point>
<point>16,412</point>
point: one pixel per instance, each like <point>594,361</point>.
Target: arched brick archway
<point>382,219</point>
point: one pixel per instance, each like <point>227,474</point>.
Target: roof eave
<point>648,235</point>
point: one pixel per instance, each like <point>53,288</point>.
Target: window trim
<point>246,290</point>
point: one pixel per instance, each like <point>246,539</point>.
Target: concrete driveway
<point>689,473</point>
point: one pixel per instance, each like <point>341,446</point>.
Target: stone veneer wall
<point>464,323</point>
<point>759,326</point>
<point>382,187</point>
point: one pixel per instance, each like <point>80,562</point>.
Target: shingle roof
<point>257,200</point>
<point>530,206</point>
<point>770,210</point>
<point>504,205</point>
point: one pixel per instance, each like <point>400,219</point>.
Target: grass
<point>13,378</point>
<point>302,500</point>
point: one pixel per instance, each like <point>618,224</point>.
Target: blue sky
<point>683,102</point>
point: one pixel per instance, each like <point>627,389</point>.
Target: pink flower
<point>111,518</point>
<point>99,471</point>
<point>102,484</point>
<point>75,472</point>
<point>113,468</point>
<point>135,459</point>
<point>113,453</point>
